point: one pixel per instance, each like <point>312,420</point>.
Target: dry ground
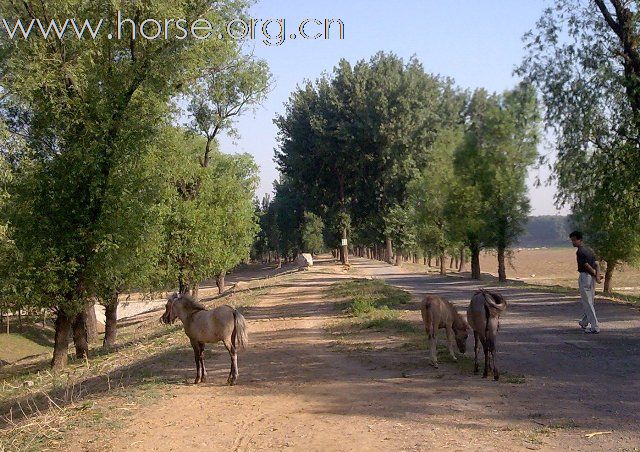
<point>306,384</point>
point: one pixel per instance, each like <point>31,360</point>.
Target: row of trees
<point>100,191</point>
<point>388,156</point>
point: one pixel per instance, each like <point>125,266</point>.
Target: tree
<point>608,231</point>
<point>209,233</point>
<point>430,192</point>
<point>312,233</point>
<point>491,167</point>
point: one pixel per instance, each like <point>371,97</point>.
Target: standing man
<point>589,275</point>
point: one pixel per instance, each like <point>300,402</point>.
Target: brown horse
<point>202,326</point>
<point>439,313</point>
<point>483,315</point>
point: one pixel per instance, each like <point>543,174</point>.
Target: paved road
<point>588,376</point>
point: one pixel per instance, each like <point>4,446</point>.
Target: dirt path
<point>297,391</point>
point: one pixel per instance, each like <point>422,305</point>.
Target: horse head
<point>170,314</point>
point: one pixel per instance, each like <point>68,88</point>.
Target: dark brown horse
<point>483,316</point>
<point>203,326</point>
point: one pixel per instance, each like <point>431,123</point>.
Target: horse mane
<point>191,304</point>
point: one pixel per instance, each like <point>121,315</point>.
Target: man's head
<point>576,238</point>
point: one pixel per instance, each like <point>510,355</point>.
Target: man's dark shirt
<point>585,255</point>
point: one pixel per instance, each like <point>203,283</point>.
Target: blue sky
<point>477,42</point>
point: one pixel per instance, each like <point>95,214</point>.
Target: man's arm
<point>594,272</point>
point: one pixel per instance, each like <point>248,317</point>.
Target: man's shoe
<point>591,331</point>
<point>584,327</point>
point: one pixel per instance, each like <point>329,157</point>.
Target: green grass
<point>14,347</point>
<point>364,296</point>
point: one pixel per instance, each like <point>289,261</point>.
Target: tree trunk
<point>80,336</point>
<point>61,341</point>
<point>463,263</point>
<point>389,250</point>
<point>443,266</point>
<point>195,289</point>
<point>20,320</point>
<point>220,280</point>
<point>344,248</point>
<point>475,262</point>
<point>398,259</point>
<point>425,260</point>
<point>6,317</point>
<point>457,261</point>
<point>451,262</point>
<point>92,323</point>
<point>429,260</point>
<point>502,270</point>
<point>111,323</point>
<point>608,275</point>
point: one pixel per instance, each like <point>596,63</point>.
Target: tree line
<point>395,162</point>
<point>111,176</point>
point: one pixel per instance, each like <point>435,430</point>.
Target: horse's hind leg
<point>203,370</point>
<point>476,347</point>
<point>196,353</point>
<point>485,348</point>
<point>233,373</point>
<point>450,342</point>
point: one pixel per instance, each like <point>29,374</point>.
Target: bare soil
<point>304,387</point>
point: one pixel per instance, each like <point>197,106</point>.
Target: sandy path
<point>296,391</point>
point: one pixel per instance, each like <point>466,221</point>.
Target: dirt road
<point>298,390</point>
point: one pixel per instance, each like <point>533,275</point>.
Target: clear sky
<point>477,42</point>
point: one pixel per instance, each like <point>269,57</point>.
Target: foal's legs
<point>491,345</point>
<point>433,342</point>
<point>451,342</point>
<point>196,352</point>
<point>233,373</point>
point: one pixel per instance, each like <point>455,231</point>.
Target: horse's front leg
<point>196,353</point>
<point>476,347</point>
<point>451,342</point>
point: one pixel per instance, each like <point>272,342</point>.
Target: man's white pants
<point>587,286</point>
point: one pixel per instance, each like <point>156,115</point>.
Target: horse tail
<point>239,336</point>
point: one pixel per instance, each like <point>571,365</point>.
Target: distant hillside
<point>546,231</point>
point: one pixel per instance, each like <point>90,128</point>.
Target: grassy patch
<point>364,296</point>
<point>14,347</point>
<point>517,379</point>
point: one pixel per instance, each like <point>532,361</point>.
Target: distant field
<point>555,266</point>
